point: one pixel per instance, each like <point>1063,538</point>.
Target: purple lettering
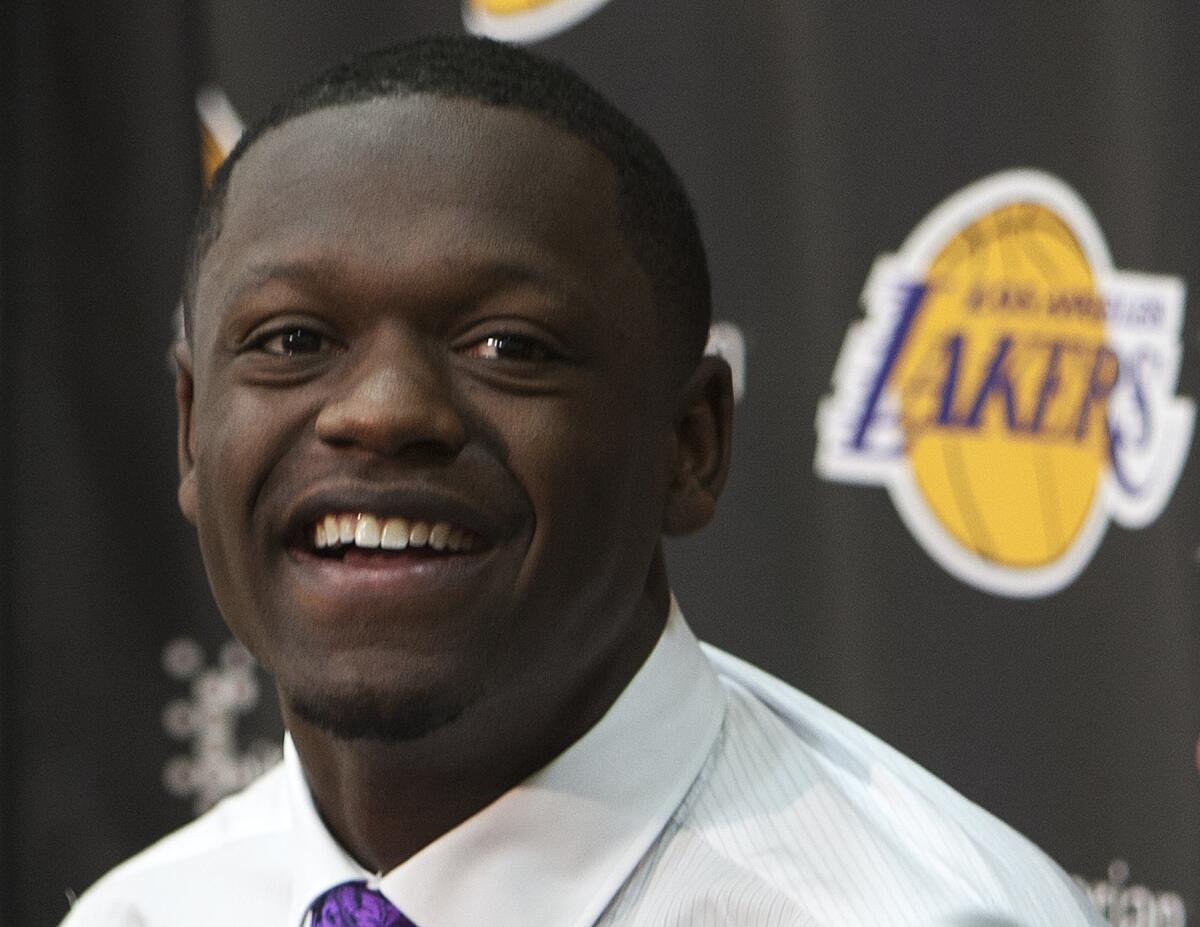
<point>1103,379</point>
<point>914,297</point>
<point>996,381</point>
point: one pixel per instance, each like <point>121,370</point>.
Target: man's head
<point>655,215</point>
<point>424,313</point>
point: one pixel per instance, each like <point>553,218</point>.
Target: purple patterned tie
<point>352,904</point>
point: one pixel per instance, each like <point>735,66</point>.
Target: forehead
<point>422,182</point>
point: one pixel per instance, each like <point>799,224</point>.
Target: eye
<point>292,340</point>
<point>512,347</point>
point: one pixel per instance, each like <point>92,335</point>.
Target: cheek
<point>597,475</point>
<point>243,437</point>
<point>235,446</point>
<point>222,447</point>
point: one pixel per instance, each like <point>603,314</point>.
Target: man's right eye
<point>290,341</point>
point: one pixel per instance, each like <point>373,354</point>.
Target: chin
<point>367,715</point>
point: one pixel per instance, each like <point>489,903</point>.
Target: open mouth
<point>336,535</point>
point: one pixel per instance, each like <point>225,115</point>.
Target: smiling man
<point>442,393</point>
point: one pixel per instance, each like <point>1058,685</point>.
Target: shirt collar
<point>556,848</point>
<point>318,861</point>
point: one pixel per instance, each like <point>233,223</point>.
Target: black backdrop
<point>813,135</point>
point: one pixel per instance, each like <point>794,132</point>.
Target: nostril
<point>389,428</point>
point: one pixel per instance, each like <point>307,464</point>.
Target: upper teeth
<point>394,533</point>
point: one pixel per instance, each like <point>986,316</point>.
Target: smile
<point>335,533</point>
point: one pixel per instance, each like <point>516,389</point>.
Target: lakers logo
<point>1011,390</point>
<point>525,20</point>
<point>220,129</point>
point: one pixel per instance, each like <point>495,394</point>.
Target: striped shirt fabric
<point>801,818</point>
<point>710,794</point>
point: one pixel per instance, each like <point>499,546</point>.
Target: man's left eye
<point>508,346</point>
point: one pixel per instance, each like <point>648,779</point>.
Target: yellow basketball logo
<point>1010,388</point>
<point>525,20</point>
<point>506,7</point>
<point>220,129</point>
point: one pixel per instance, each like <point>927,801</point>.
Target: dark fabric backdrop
<point>813,135</point>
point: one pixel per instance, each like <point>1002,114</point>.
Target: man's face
<point>420,318</point>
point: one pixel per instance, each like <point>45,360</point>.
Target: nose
<point>396,396</point>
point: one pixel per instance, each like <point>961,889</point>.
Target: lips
<point>369,524</point>
<point>359,553</point>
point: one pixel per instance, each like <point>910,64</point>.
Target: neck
<point>385,801</point>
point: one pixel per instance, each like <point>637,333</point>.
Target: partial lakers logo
<point>1011,389</point>
<point>525,20</point>
<point>220,129</point>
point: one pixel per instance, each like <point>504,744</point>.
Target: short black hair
<point>655,215</point>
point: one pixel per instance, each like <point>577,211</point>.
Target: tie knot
<point>353,904</point>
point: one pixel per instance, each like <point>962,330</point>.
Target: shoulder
<point>205,859</point>
<point>812,804</point>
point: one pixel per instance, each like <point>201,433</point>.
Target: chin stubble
<point>370,716</point>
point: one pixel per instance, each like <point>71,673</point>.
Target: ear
<point>184,392</point>
<point>702,441</point>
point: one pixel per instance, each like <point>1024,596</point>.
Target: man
<point>442,393</point>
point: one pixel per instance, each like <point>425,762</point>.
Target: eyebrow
<point>314,272</point>
<point>322,273</point>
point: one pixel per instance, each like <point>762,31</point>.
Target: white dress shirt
<point>710,794</point>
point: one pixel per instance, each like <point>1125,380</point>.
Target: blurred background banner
<point>964,510</point>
